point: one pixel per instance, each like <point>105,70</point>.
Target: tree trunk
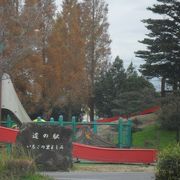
<point>69,114</point>
<point>44,49</point>
<point>177,135</point>
<point>175,86</point>
<point>91,106</point>
<point>163,81</point>
<point>17,6</point>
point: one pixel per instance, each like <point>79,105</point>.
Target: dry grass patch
<point>112,167</point>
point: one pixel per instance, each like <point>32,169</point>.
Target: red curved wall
<point>92,153</point>
<point>8,135</point>
<point>114,155</point>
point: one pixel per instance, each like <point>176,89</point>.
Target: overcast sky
<point>126,27</point>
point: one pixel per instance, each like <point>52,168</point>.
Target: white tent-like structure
<point>10,100</point>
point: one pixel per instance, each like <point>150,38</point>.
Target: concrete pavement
<point>101,175</point>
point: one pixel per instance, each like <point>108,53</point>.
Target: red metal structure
<point>146,111</point>
<point>92,153</point>
<point>114,155</point>
<point>8,135</point>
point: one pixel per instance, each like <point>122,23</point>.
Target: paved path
<point>100,175</point>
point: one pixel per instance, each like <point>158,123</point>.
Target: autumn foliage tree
<point>54,60</point>
<point>22,49</point>
<point>97,42</point>
<point>67,54</point>
<point>17,34</point>
<point>16,25</point>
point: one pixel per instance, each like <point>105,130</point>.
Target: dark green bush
<point>169,117</point>
<point>168,166</point>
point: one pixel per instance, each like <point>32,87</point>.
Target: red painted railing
<point>8,135</point>
<point>114,155</point>
<point>146,111</point>
<point>150,110</point>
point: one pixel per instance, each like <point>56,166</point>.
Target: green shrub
<point>20,167</point>
<point>170,113</point>
<point>18,152</point>
<point>168,166</point>
<point>15,165</point>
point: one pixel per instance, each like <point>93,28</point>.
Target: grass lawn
<point>9,176</point>
<point>153,137</point>
<point>35,177</point>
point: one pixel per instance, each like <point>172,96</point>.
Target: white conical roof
<point>10,100</point>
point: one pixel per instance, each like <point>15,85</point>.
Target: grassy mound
<point>153,137</point>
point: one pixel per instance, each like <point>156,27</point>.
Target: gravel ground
<point>113,167</point>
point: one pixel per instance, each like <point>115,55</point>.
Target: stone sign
<point>51,145</point>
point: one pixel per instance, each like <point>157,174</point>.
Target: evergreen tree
<point>123,92</point>
<point>162,56</point>
<point>134,99</point>
<point>136,95</point>
<point>118,74</point>
<point>135,82</point>
<point>108,86</point>
<point>131,70</point>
